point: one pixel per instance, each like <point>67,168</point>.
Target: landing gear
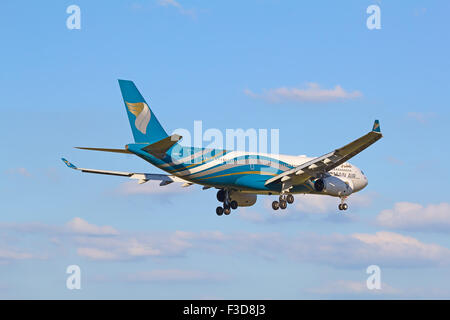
<point>283,201</point>
<point>228,204</point>
<point>343,205</point>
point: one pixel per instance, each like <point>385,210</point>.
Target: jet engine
<point>243,199</point>
<point>333,186</point>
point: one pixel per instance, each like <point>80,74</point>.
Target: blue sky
<point>223,62</point>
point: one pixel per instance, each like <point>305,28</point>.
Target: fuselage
<point>243,171</point>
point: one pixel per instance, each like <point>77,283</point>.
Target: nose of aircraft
<point>360,183</point>
<point>365,181</point>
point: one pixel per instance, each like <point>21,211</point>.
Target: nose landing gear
<point>343,205</point>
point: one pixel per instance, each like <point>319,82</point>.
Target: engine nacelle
<point>333,186</point>
<point>243,199</point>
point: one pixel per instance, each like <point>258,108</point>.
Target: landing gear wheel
<point>344,206</point>
<point>219,211</point>
<point>275,205</point>
<point>283,204</point>
<point>290,198</point>
<point>221,195</point>
<point>234,205</point>
<point>227,211</point>
<point>340,206</point>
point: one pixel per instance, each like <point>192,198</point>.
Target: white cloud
<point>7,255</point>
<point>80,226</point>
<point>386,249</point>
<point>312,93</point>
<point>96,254</point>
<point>128,247</point>
<point>403,248</point>
<point>415,217</point>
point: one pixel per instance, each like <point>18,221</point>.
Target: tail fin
<point>144,125</point>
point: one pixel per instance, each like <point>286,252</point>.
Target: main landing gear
<point>284,200</point>
<point>228,204</point>
<point>343,205</point>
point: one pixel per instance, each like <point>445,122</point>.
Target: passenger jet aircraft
<point>238,176</point>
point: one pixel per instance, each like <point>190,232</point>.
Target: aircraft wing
<point>142,177</point>
<point>329,161</point>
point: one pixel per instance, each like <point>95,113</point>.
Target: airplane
<point>239,176</point>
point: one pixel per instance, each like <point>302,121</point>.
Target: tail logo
<point>142,113</point>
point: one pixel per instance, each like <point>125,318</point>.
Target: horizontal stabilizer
<point>159,149</point>
<point>105,149</point>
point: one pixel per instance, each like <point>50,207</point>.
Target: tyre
<point>275,205</point>
<point>344,206</point>
<point>234,205</point>
<point>283,204</point>
<point>221,195</point>
<point>227,211</point>
<point>219,211</point>
<point>290,198</point>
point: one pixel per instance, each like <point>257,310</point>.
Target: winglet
<point>70,165</point>
<point>376,126</point>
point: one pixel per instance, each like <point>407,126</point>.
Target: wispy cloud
<point>7,255</point>
<point>96,254</point>
<point>336,250</point>
<point>177,5</point>
<point>422,117</point>
<point>395,161</point>
<point>80,226</point>
<point>383,248</point>
<point>19,171</point>
<point>415,217</point>
<point>311,93</point>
